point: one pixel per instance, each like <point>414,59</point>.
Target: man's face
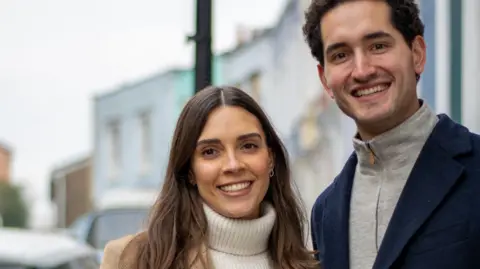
<point>369,68</point>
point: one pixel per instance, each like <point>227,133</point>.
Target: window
<point>255,87</point>
<point>145,142</point>
<point>114,149</point>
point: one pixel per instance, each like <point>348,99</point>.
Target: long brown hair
<point>178,226</point>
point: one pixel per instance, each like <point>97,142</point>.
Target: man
<point>409,196</point>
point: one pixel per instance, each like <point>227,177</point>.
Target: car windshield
<point>111,225</point>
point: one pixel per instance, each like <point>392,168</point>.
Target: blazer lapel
<point>433,176</point>
<point>336,218</point>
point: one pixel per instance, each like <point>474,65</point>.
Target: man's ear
<point>323,79</point>
<point>419,50</point>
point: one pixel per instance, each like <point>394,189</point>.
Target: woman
<point>227,200</point>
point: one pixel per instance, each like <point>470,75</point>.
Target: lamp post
<point>203,45</point>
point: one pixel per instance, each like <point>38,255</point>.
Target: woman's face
<point>232,162</point>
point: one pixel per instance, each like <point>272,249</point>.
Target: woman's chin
<point>242,212</point>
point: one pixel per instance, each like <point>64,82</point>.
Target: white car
<point>28,249</point>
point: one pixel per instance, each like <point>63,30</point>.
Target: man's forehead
<point>355,20</point>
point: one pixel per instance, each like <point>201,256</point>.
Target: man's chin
<point>374,116</point>
<point>373,125</point>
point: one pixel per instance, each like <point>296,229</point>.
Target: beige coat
<point>121,253</point>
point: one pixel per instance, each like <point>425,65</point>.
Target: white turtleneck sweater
<point>384,164</point>
<point>240,244</point>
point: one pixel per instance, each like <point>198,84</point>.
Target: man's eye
<point>339,56</point>
<point>379,46</point>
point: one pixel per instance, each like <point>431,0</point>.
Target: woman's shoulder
<point>114,251</point>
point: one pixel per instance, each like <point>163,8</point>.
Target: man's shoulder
<point>455,137</point>
<point>471,161</point>
<point>475,138</point>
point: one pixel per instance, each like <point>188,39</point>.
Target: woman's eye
<point>208,152</point>
<point>250,146</point>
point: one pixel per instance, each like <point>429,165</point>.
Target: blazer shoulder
<point>113,251</point>
<point>475,138</point>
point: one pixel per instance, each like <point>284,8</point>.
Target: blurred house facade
<point>132,130</point>
<point>5,162</point>
<point>451,81</point>
<point>71,190</point>
<point>133,127</point>
<point>275,67</point>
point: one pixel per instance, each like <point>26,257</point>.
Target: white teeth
<point>370,90</point>
<point>235,187</point>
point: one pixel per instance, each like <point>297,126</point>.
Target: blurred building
<point>5,162</point>
<point>132,130</point>
<point>71,190</point>
<point>133,127</point>
<point>450,83</point>
<point>274,66</point>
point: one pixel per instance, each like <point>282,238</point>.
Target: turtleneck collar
<point>240,237</point>
<point>399,145</point>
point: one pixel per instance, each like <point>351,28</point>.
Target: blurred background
<point>90,92</point>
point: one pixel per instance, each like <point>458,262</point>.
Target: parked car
<point>29,249</point>
<point>98,227</point>
<point>118,215</point>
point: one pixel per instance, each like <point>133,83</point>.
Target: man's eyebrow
<point>335,46</point>
<point>370,36</point>
<point>376,35</point>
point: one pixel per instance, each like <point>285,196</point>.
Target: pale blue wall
<point>162,95</point>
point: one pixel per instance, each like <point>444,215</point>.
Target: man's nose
<point>363,70</point>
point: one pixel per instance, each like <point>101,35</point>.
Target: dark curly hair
<point>404,16</point>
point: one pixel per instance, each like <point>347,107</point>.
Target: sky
<point>56,55</point>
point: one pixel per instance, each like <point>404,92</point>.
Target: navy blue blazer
<point>436,223</point>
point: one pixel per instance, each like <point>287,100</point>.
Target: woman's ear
<point>271,159</point>
<point>191,178</point>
